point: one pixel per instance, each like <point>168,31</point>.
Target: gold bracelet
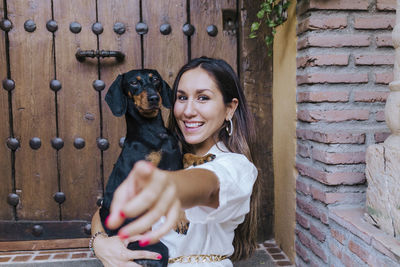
<point>91,241</point>
<point>198,258</point>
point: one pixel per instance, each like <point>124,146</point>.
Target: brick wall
<point>344,65</point>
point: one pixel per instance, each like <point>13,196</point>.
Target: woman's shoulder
<point>232,162</point>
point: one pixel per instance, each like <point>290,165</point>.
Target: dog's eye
<point>134,83</point>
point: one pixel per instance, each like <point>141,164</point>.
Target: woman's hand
<point>113,252</point>
<point>147,192</point>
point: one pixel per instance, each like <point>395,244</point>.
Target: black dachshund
<point>138,95</point>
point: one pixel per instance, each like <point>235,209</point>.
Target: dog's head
<point>144,87</point>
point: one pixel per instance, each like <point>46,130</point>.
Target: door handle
<point>81,55</point>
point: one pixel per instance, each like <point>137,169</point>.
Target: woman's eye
<point>203,98</point>
<point>181,97</point>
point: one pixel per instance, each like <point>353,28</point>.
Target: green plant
<point>272,13</point>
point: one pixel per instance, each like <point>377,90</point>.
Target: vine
<point>272,13</point>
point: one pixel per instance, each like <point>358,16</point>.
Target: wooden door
<point>59,138</point>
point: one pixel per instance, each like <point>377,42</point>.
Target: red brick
<point>384,77</point>
<point>373,22</point>
<point>61,256</point>
<point>339,236</point>
<point>308,207</point>
<point>357,249</point>
<point>335,250</point>
<point>319,251</point>
<point>79,255</point>
<point>374,59</point>
<point>304,239</point>
<point>5,259</point>
<point>339,4</point>
<point>303,151</point>
<point>303,253</point>
<point>336,197</point>
<point>317,232</point>
<point>386,5</point>
<point>381,137</point>
<point>330,77</point>
<point>22,258</point>
<point>331,178</point>
<point>384,39</point>
<point>323,60</point>
<point>348,261</point>
<point>332,115</point>
<point>303,221</point>
<point>334,40</point>
<point>370,96</point>
<point>339,137</point>
<point>41,257</point>
<point>380,116</point>
<point>338,158</point>
<point>302,187</point>
<point>335,96</point>
<point>322,23</point>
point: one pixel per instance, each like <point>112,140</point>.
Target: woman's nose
<point>189,110</point>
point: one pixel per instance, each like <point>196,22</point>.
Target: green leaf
<point>260,14</point>
<point>252,35</point>
<point>271,24</point>
<point>269,40</point>
<point>255,26</point>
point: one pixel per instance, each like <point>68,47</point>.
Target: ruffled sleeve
<point>236,175</point>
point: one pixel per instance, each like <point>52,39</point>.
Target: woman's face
<point>200,110</point>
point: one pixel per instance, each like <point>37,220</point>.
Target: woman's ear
<point>231,108</point>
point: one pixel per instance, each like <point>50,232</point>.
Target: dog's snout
<point>153,99</point>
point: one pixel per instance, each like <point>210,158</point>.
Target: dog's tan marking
<point>143,105</point>
<point>130,94</point>
<point>191,159</point>
<point>138,78</point>
<point>150,75</point>
<point>154,157</point>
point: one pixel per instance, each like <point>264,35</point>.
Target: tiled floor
<point>268,254</point>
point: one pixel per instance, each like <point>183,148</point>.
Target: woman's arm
<point>153,193</point>
<point>111,251</point>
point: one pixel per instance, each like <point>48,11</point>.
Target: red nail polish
<point>106,221</point>
<point>122,214</point>
<point>144,242</point>
<point>122,235</point>
<point>159,257</point>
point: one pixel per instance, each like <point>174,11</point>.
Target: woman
<point>210,116</point>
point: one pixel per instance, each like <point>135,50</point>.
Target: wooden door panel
<point>32,68</point>
<point>204,13</point>
<point>110,13</point>
<point>166,53</point>
<point>78,109</point>
<point>6,212</point>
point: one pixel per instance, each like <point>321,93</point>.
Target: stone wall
<point>344,65</point>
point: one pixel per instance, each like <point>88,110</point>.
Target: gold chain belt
<point>198,258</point>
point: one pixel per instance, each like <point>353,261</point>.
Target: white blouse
<point>211,231</point>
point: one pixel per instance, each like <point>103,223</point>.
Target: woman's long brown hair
<point>243,134</point>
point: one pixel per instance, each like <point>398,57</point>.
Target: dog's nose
<point>153,99</point>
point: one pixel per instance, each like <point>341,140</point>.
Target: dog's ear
<point>115,98</point>
<point>166,95</point>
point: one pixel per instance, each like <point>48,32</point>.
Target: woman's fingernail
<point>159,257</point>
<point>144,242</point>
<point>122,214</point>
<point>122,236</point>
<point>107,219</point>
